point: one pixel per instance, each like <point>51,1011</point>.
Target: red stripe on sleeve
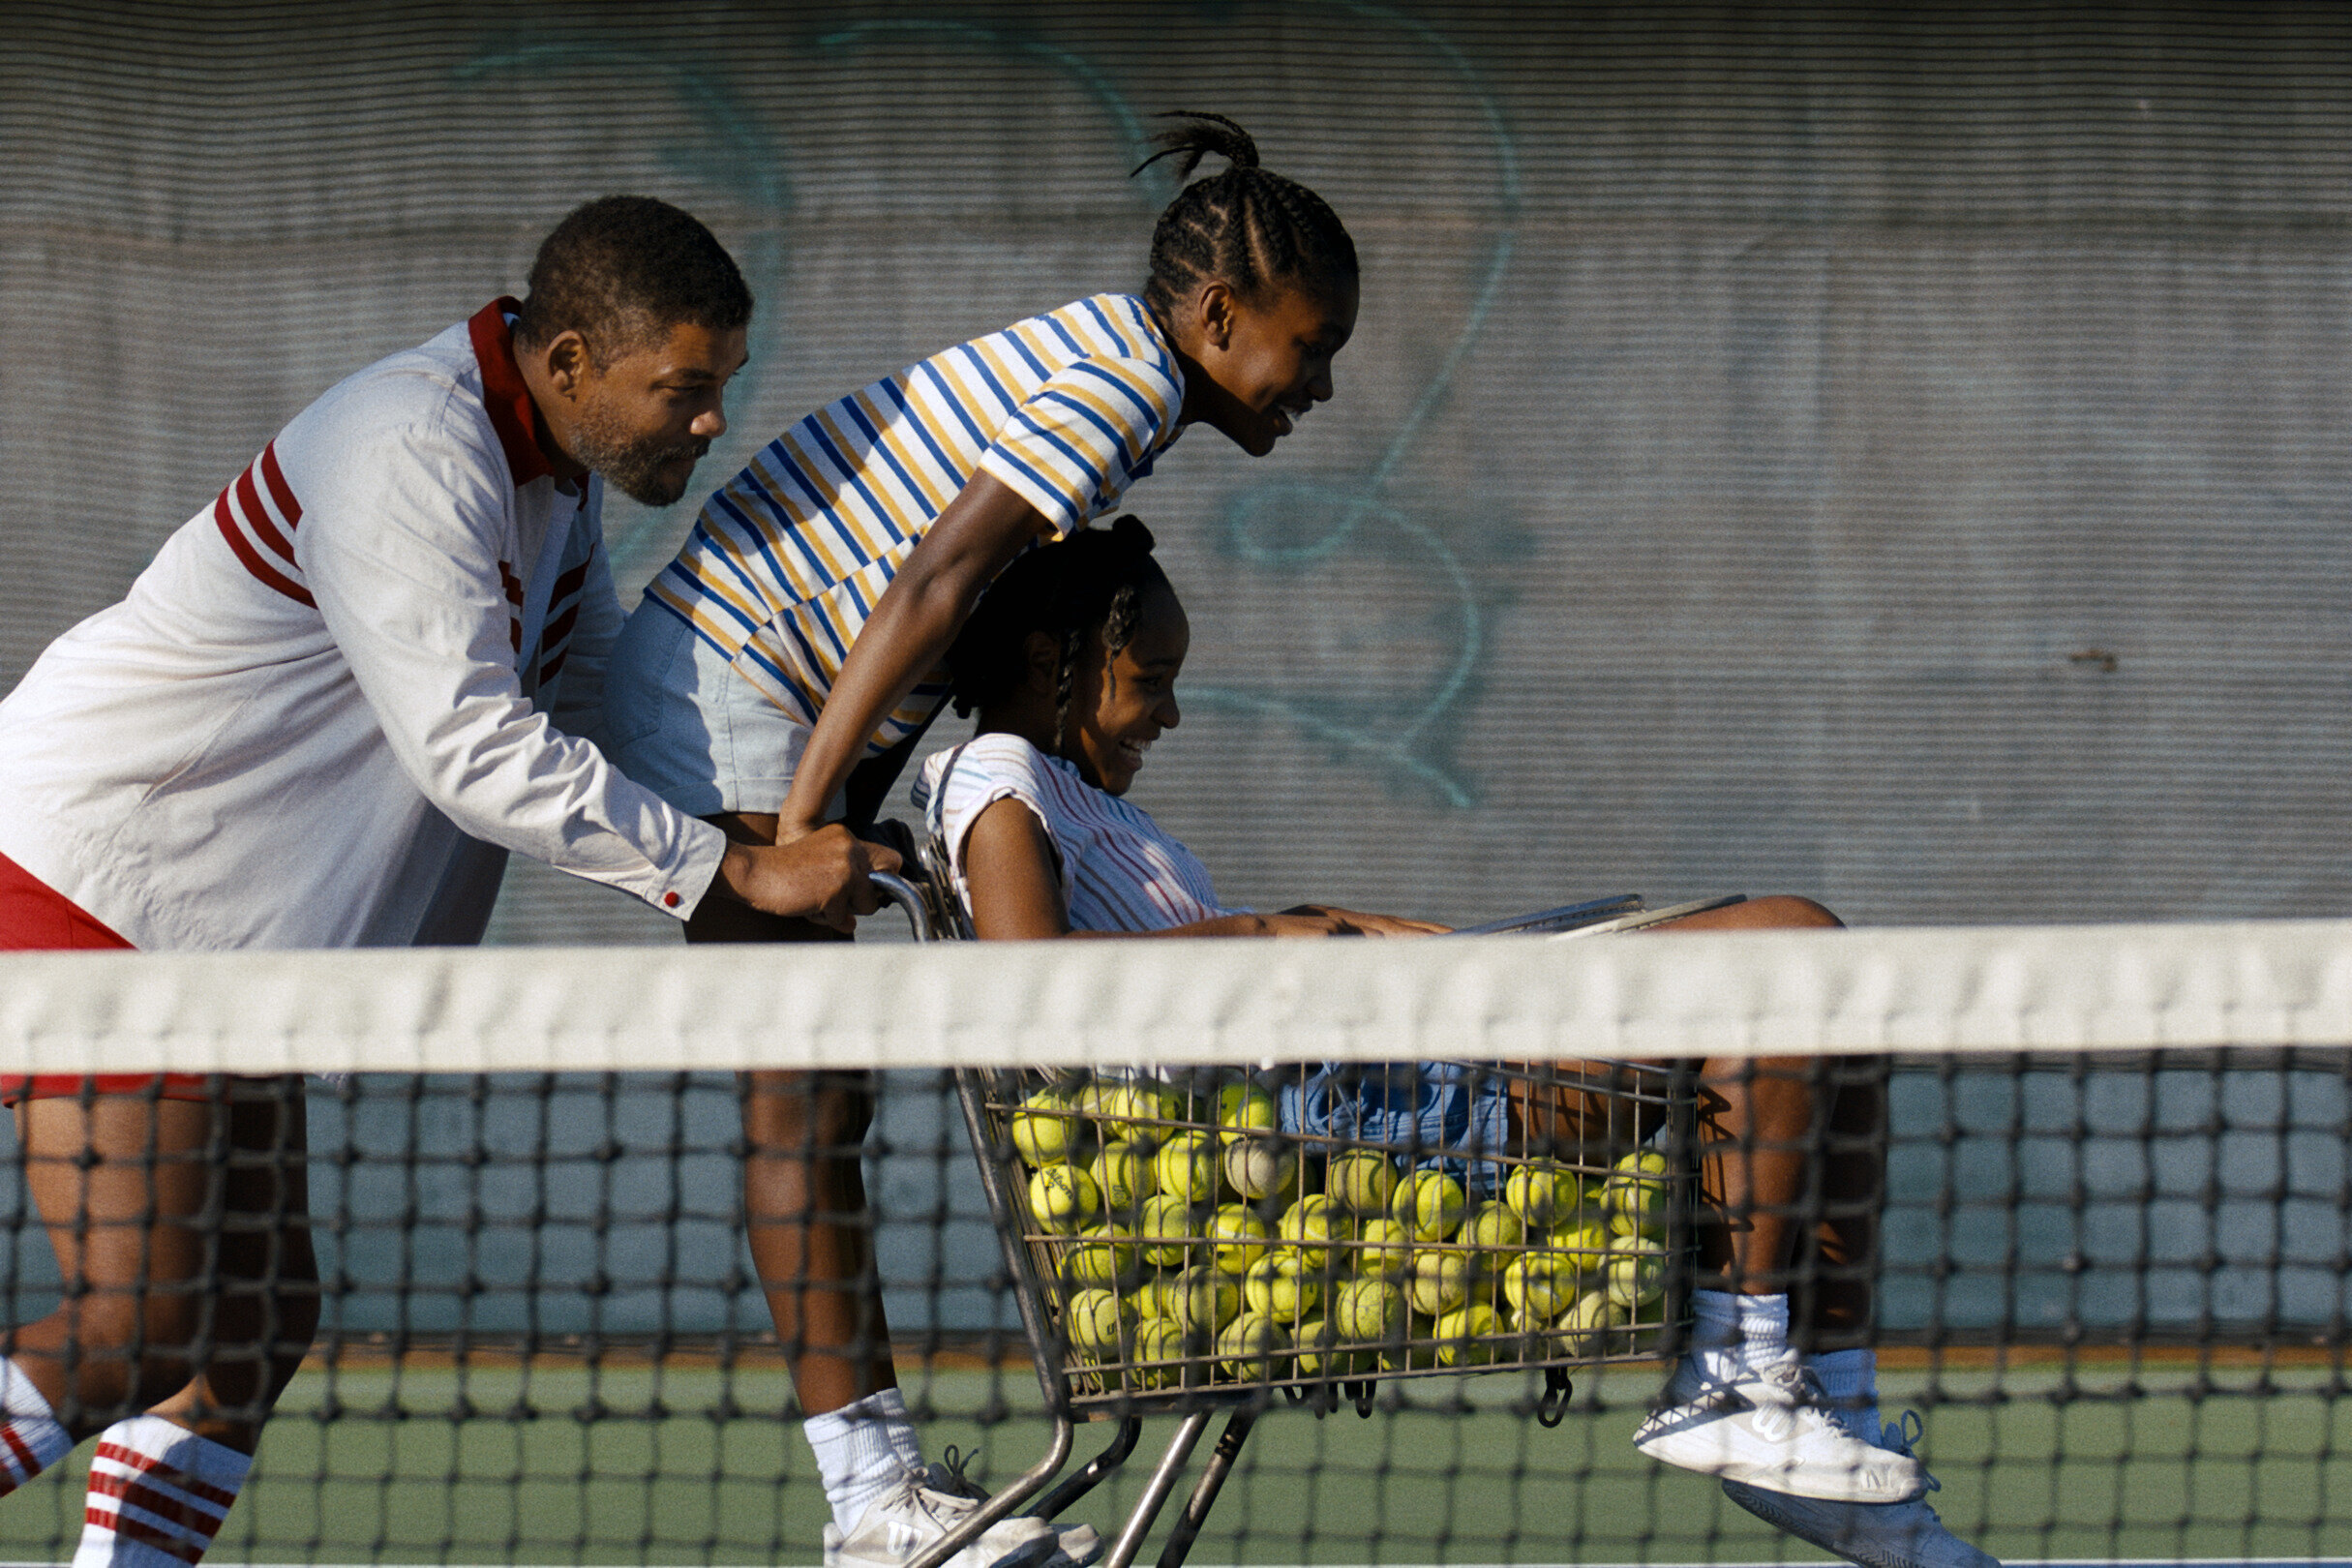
<point>269,575</point>
<point>257,517</point>
<point>573,581</point>
<point>279,490</point>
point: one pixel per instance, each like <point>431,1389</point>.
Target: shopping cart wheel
<point>1362,1394</point>
<point>1553,1409</point>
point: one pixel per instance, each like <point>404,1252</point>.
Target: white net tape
<point>1970,989</point>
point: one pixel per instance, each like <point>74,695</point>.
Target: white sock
<point>1735,1334</point>
<point>1851,1379</point>
<point>862,1451</point>
<point>31,1437</point>
<point>158,1492</point>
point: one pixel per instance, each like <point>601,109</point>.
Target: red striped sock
<point>157,1493</point>
<point>31,1440</point>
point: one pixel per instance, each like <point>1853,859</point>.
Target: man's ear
<point>567,362</point>
<point>1043,656</point>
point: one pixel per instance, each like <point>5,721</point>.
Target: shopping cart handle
<point>897,890</point>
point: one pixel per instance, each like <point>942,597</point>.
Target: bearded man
<point>324,715</point>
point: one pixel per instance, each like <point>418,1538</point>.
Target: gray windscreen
<point>1893,454</point>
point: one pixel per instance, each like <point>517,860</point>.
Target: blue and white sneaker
<point>1076,1546</point>
<point>1874,1535</point>
<point>903,1524</point>
<point>1772,1429</point>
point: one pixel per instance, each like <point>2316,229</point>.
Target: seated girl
<point>1070,662</point>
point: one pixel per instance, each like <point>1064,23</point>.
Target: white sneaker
<point>896,1526</point>
<point>1875,1535</point>
<point>1076,1546</point>
<point>1772,1428</point>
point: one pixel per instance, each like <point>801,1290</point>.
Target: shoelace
<point>1901,1436</point>
<point>950,1475</point>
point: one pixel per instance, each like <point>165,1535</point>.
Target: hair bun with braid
<point>1207,134</point>
<point>1130,535</point>
<point>1244,225</point>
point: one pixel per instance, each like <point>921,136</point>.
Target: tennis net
<point>2111,1273</point>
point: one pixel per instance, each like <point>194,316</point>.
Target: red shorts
<point>36,918</point>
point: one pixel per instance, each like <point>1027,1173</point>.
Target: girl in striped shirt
<point>792,643</point>
<point>1070,662</point>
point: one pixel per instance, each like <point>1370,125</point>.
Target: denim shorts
<point>1439,1115</point>
<point>680,720</point>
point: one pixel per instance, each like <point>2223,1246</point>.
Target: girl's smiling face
<point>1120,704</point>
<point>1262,366</point>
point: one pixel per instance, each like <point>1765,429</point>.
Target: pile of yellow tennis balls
<point>1185,1225</point>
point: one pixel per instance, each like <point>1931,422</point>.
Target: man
<point>335,701</point>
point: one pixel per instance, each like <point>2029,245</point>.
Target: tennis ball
<point>1540,1194</point>
<point>1368,1311</point>
<point>1583,1245</point>
<point>1093,1320</point>
<point>1320,1354</point>
<point>1204,1299</point>
<point>1635,1195</point>
<point>1246,1107</point>
<point>1135,1112</point>
<point>1440,1282</point>
<point>1240,1236</point>
<point>1493,1227</point>
<point>1305,1227</point>
<point>1644,1162</point>
<point>1536,1286</point>
<point>1279,1292</point>
<point>1186,1167</point>
<point>1062,1199</point>
<point>1156,1338</point>
<point>1164,1227</point>
<point>1104,1260</point>
<point>1430,1202</point>
<point>1151,1299</point>
<point>1417,1349</point>
<point>1635,1279</point>
<point>1260,1167</point>
<point>1044,1127</point>
<point>1582,1329</point>
<point>1361,1181</point>
<point>1123,1175</point>
<point>1386,1251</point>
<point>1465,1336</point>
<point>1249,1346</point>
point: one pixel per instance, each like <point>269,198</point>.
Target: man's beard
<point>633,466</point>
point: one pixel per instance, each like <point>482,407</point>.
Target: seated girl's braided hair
<point>1245,226</point>
<point>1091,583</point>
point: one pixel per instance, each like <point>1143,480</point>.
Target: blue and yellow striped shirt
<point>788,559</point>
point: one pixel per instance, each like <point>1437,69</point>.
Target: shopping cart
<point>1270,1268</point>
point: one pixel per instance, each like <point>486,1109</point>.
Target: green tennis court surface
<point>555,1462</point>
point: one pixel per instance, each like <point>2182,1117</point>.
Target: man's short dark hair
<point>622,271</point>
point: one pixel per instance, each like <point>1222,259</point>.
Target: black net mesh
<point>2113,1287</point>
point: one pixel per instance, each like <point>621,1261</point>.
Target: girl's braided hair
<point>1245,226</point>
<point>1091,583</point>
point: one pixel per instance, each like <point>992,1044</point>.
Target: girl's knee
<point>1790,912</point>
